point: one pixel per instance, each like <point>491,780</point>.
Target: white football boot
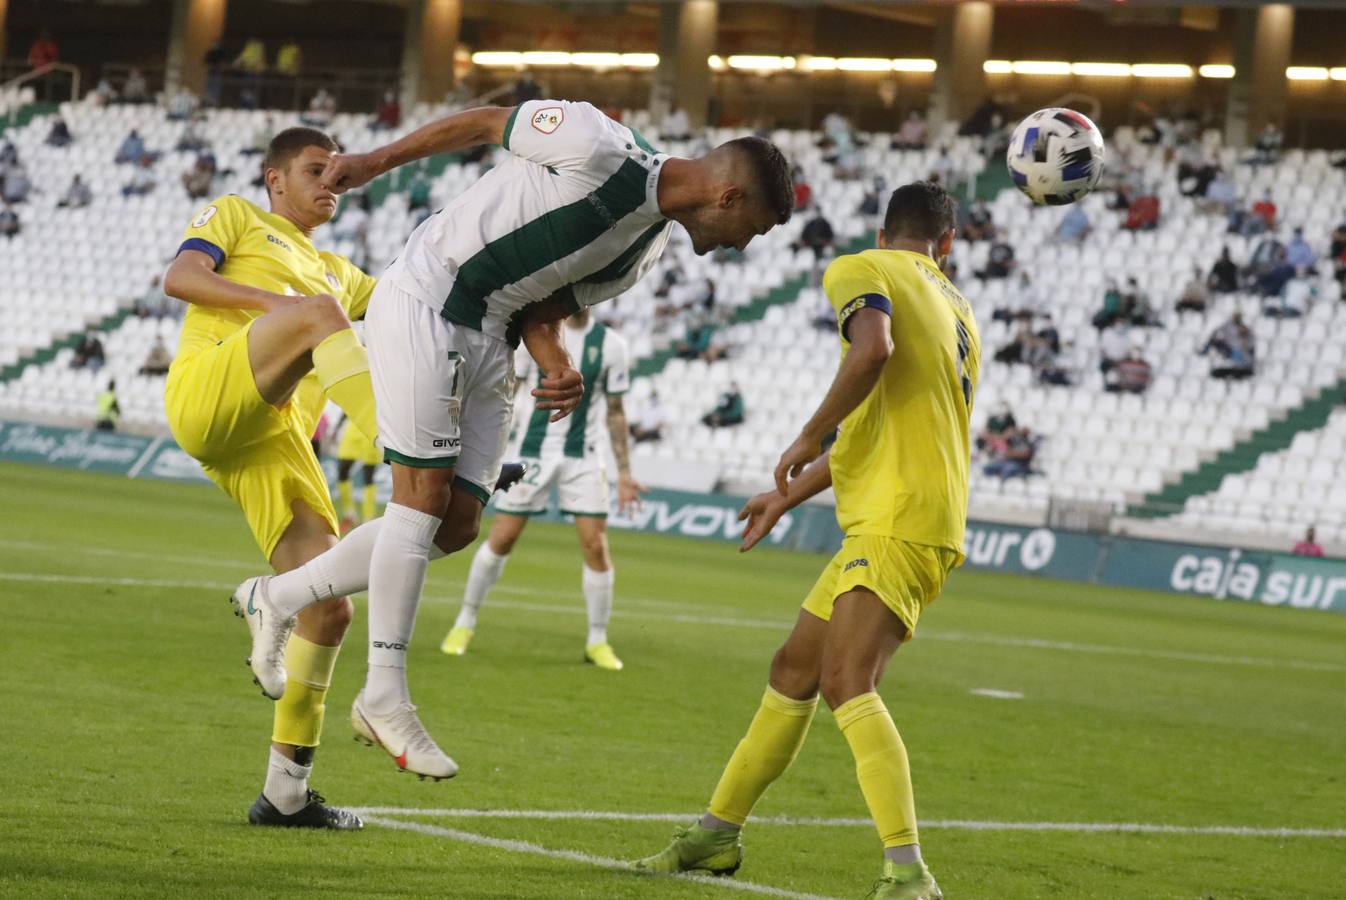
<point>404,738</point>
<point>270,632</point>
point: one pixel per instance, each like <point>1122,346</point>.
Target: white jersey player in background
<point>579,211</point>
<point>567,456</point>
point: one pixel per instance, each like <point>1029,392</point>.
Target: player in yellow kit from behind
<point>266,341</point>
<point>354,447</point>
<point>902,398</point>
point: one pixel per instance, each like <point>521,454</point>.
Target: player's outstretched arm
<point>765,510</point>
<point>628,489</point>
<point>871,345</point>
<point>469,128</point>
<point>191,277</point>
<point>562,385</point>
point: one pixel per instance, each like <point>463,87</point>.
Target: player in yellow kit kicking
<point>354,447</point>
<point>902,398</point>
<point>266,340</point>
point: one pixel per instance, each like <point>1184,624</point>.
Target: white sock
<point>340,572</point>
<point>904,855</point>
<point>487,566</point>
<point>286,784</point>
<point>396,577</point>
<point>598,600</point>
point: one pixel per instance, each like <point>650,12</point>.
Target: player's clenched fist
<point>347,171</point>
<point>560,391</point>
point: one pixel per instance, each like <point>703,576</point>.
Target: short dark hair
<point>774,184</point>
<point>921,211</point>
<point>289,143</point>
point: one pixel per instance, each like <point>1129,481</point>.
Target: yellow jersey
<point>900,464</point>
<point>268,252</point>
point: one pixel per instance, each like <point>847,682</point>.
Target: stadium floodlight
<point>1101,70</point>
<point>1338,73</point>
<point>864,64</point>
<point>715,61</point>
<point>762,63</point>
<point>596,60</point>
<point>997,67</point>
<point>1306,73</point>
<point>546,58</point>
<point>1216,71</point>
<point>640,60</point>
<point>1040,67</point>
<point>1161,70</point>
<point>819,63</point>
<point>496,58</point>
<point>914,65</point>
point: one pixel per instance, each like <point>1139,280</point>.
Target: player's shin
<point>298,721</point>
<point>773,741</point>
<point>882,769</point>
<point>396,578</point>
<point>487,567</point>
<point>369,505</point>
<point>343,370</point>
<point>598,602</point>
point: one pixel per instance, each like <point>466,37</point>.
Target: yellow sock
<point>881,766</point>
<point>299,713</point>
<point>370,505</point>
<point>346,494</point>
<point>766,751</point>
<point>343,369</point>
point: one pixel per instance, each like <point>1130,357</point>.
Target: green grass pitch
<point>133,741</point>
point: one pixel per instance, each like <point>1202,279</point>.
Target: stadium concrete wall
<point>1272,579</point>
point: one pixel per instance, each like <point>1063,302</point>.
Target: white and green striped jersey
<point>603,358</point>
<point>572,213</point>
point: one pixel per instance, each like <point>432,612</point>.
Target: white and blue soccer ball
<point>1055,156</point>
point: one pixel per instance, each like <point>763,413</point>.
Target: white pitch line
<point>948,824</point>
<point>515,846</point>
<point>997,694</point>
<point>779,626</point>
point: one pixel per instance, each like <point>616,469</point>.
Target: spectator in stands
<point>696,344</point>
<point>158,360</point>
<point>1293,299</point>
<point>260,138</point>
<point>103,93</point>
<point>728,412</point>
<point>912,135</point>
<point>1137,305</point>
<point>1021,300</point>
<point>1019,347</point>
<point>1338,238</point>
<point>998,428</point>
<point>77,196</point>
<point>135,89</point>
<point>999,262</point>
<point>526,88</point>
<point>1113,307</point>
<point>817,235</point>
<point>1272,277</point>
<point>142,180</point>
<point>132,149</point>
<point>192,139</point>
<point>59,135</point>
<point>1221,197</point>
<point>182,105</point>
<point>651,421</point>
<point>251,64</point>
<point>1015,458</point>
<point>9,221</point>
<point>17,185</point>
<point>676,126</point>
<point>9,155</point>
<point>1195,295</point>
<point>979,225</point>
<point>198,179</point>
<point>1268,147</point>
<point>1234,344</point>
<point>1309,546</point>
<point>321,110</point>
<point>1195,170</point>
<point>1046,331</point>
<point>1224,275</point>
<point>1131,375</point>
<point>289,59</point>
<point>388,115</point>
<point>1041,358</point>
<point>89,353</point>
<point>942,169</point>
<point>108,409</point>
<point>1266,209</point>
<point>872,202</point>
<point>1075,225</point>
<point>803,190</point>
<point>1113,346</point>
<point>214,60</point>
<point>1143,213</point>
<point>1299,254</point>
<point>154,302</point>
<point>43,51</point>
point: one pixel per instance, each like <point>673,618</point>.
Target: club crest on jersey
<point>206,215</point>
<point>593,354</point>
<point>549,119</point>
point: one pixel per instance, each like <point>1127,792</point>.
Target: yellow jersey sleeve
<point>356,285</point>
<point>217,229</point>
<point>853,283</point>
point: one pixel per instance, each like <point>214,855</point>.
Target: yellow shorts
<point>355,446</point>
<point>259,455</point>
<point>906,577</point>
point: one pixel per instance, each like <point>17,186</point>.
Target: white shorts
<point>445,393</point>
<point>581,483</point>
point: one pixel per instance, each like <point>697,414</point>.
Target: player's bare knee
<point>457,533</point>
<point>337,614</point>
<point>325,316</point>
<point>841,680</point>
<point>792,674</point>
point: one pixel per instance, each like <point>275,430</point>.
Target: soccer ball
<point>1055,156</point>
